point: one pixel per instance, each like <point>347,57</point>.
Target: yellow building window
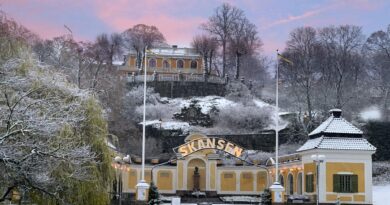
<point>180,64</point>
<point>309,183</point>
<point>345,183</point>
<point>166,65</point>
<point>194,64</point>
<point>152,63</point>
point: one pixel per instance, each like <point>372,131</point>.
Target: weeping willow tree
<point>95,190</point>
<point>52,134</point>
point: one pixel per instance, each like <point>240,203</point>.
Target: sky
<point>179,20</point>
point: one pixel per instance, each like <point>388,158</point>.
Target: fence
<point>161,77</point>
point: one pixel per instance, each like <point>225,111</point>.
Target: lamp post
<point>142,186</point>
<point>318,159</point>
<point>119,160</point>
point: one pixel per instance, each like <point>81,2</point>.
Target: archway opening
<point>299,181</point>
<point>290,185</point>
<point>201,165</point>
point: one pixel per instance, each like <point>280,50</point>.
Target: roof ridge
<point>320,141</point>
<point>330,122</point>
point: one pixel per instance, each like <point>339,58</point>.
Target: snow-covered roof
<point>174,52</point>
<point>167,125</point>
<point>337,143</point>
<point>335,124</point>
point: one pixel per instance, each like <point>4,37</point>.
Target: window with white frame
<point>345,183</point>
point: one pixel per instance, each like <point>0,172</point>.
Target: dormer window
<point>152,63</point>
<point>194,64</point>
<point>180,64</point>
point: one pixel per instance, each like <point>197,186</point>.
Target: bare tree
<point>342,46</point>
<point>243,41</point>
<point>377,47</point>
<point>141,36</point>
<point>302,49</point>
<point>221,25</point>
<point>206,46</point>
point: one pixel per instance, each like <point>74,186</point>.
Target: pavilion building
<point>344,175</point>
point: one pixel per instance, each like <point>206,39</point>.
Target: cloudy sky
<point>179,20</point>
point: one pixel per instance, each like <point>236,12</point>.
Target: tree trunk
<point>223,58</point>
<point>9,189</point>
<point>385,111</point>
<point>211,61</point>
<point>237,65</point>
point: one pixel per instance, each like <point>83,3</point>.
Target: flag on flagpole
<point>285,59</point>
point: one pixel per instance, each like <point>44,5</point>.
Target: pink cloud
<point>176,29</point>
<point>291,18</point>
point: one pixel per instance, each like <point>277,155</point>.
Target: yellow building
<point>165,60</point>
<point>344,175</point>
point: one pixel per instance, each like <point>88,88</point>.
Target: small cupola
<point>336,113</point>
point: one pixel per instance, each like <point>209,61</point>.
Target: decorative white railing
<point>161,77</point>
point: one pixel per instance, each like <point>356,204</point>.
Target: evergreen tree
<point>154,196</point>
<point>266,198</point>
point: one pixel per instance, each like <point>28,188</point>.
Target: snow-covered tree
<point>45,146</point>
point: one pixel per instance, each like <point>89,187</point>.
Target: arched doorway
<point>290,184</point>
<point>190,174</point>
<point>281,180</point>
<point>299,181</point>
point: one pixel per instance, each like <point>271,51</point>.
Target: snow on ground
<point>205,103</point>
<point>381,194</point>
<point>371,113</point>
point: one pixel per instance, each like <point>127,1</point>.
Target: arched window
<point>299,183</point>
<point>180,64</point>
<point>166,64</point>
<point>194,64</point>
<point>152,63</point>
<point>290,182</point>
<point>281,180</point>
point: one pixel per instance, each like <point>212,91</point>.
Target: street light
<point>119,160</point>
<point>318,159</point>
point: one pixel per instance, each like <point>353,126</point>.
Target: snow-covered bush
<point>238,92</point>
<point>381,172</point>
<point>243,119</point>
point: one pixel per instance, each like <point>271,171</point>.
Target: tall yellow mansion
<point>165,60</point>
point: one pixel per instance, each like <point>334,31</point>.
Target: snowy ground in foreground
<point>381,194</point>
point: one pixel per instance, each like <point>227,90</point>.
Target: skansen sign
<point>208,143</point>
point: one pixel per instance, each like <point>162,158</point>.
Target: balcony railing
<point>163,77</point>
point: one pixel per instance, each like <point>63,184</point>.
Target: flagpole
<point>142,186</point>
<point>276,187</point>
<point>277,120</point>
<point>144,121</point>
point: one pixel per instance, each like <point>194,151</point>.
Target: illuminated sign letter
<point>228,147</point>
<point>237,151</point>
<point>191,147</point>
<point>221,144</point>
<point>210,143</point>
<point>201,144</point>
<point>183,151</point>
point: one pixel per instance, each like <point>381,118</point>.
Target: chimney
<point>335,112</point>
<point>174,46</point>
